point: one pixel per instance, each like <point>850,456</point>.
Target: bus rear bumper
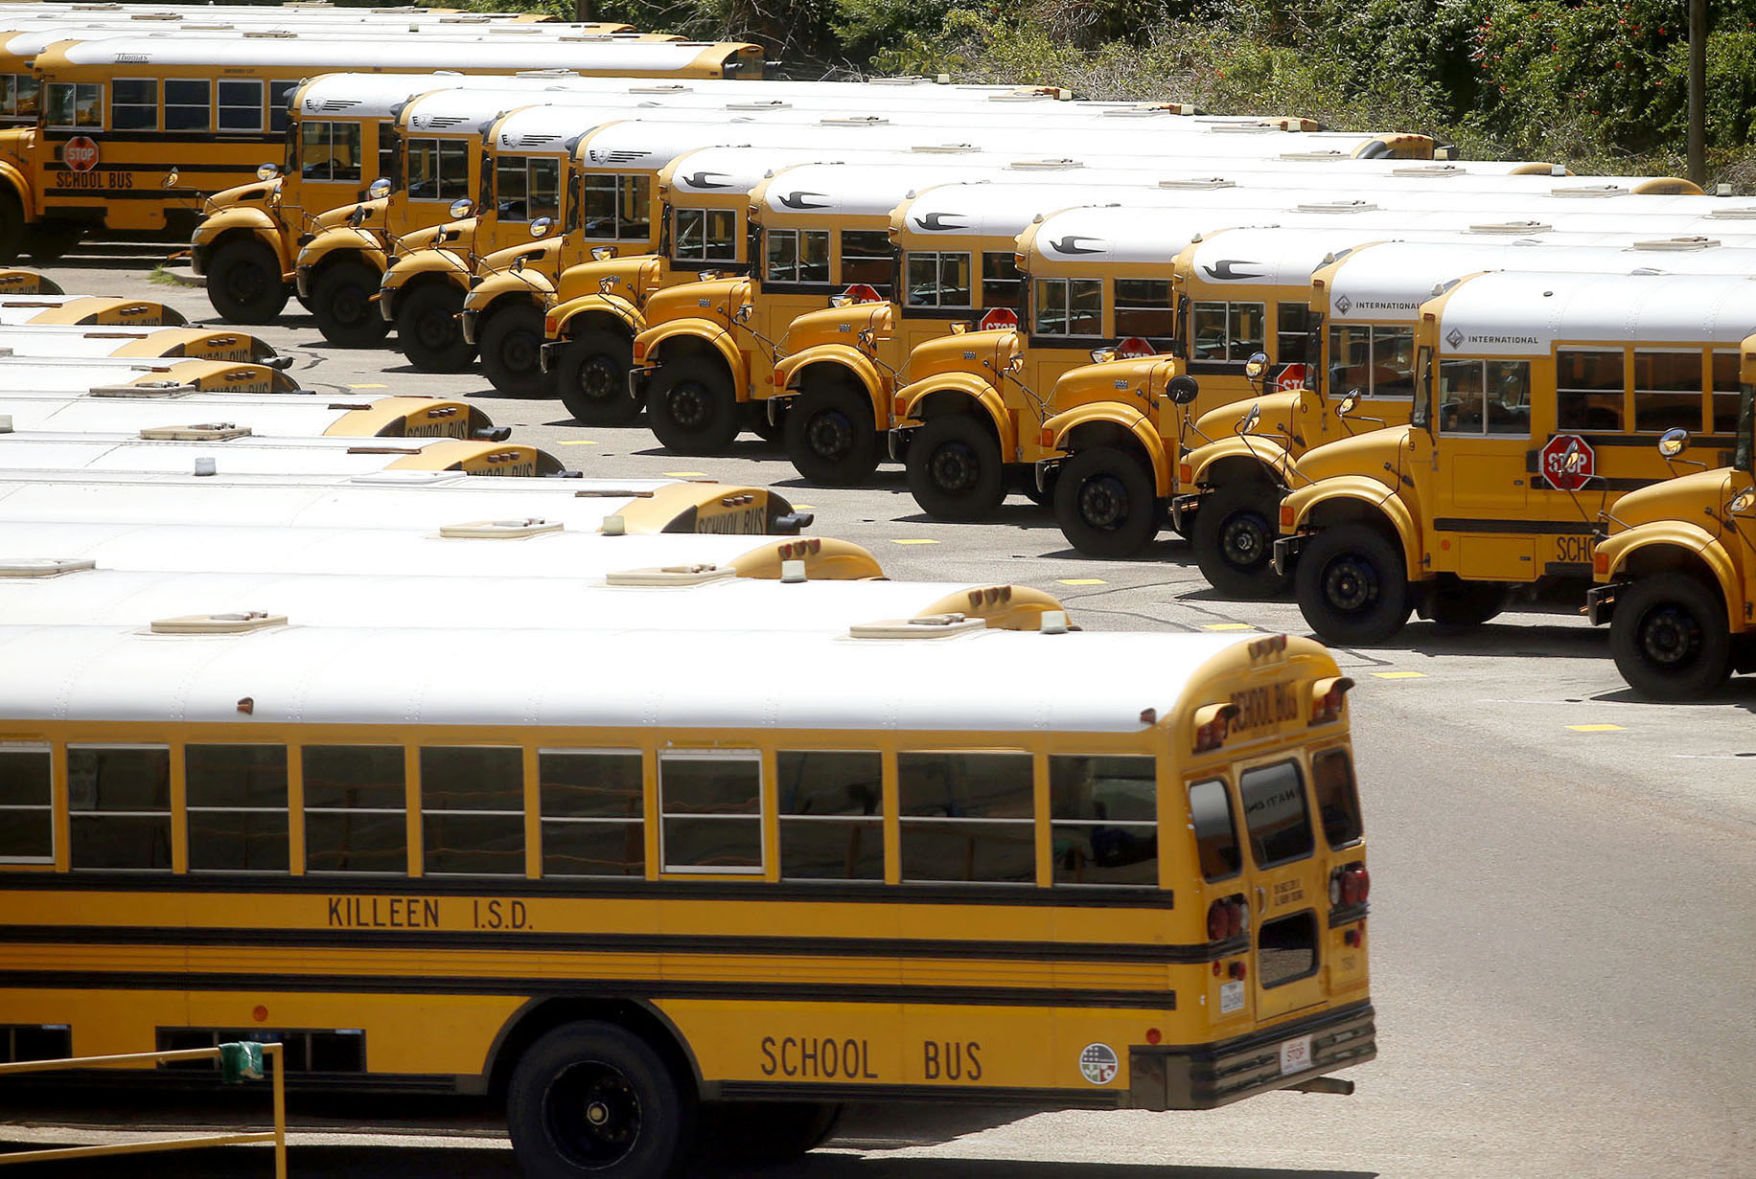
<point>1211,1075</point>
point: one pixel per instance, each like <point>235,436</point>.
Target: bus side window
<point>798,255</point>
<point>938,279</point>
<point>1143,308</point>
<point>75,105</point>
<point>120,799</point>
<point>27,827</point>
<point>1002,281</point>
<point>967,817</point>
<point>237,807</point>
<point>866,257</point>
<point>1216,834</point>
<point>1726,393</point>
<point>710,806</point>
<point>472,810</point>
<point>134,104</point>
<point>280,96</point>
<point>593,805</point>
<point>1104,819</point>
<point>356,809</point>
<point>1295,324</point>
<point>1588,389</point>
<point>831,815</point>
<point>188,104</point>
<point>240,105</point>
<point>1667,390</point>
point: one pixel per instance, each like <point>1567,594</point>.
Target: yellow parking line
<point>683,474</point>
<point>368,386</point>
<point>576,442</point>
<point>806,507</point>
<point>1228,626</point>
<point>914,540</point>
<point>1400,675</point>
<point>1595,728</point>
<point>1083,581</point>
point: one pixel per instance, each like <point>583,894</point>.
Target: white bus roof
<point>116,597</point>
<point>357,54</point>
<point>663,680</point>
<point>69,341</point>
<point>19,310</point>
<point>271,415</point>
<point>384,500</point>
<point>1517,313</point>
<point>28,376</point>
<point>1390,280</point>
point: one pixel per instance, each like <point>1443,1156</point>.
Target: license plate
<point>1295,1056</point>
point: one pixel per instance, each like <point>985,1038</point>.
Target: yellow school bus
<point>14,281</point>
<point>43,310</point>
<point>135,131</point>
<point>1539,401</point>
<point>1676,573</point>
<point>127,377</point>
<point>73,342</point>
<point>622,899</point>
<point>1364,304</point>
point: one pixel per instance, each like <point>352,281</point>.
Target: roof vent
<point>500,529</point>
<point>1242,129</point>
<point>855,121</point>
<point>200,432</point>
<point>1199,182</point>
<point>926,626</point>
<point>145,389</point>
<point>38,568</point>
<point>1677,244</point>
<point>766,104</point>
<point>676,575</point>
<point>1441,171</point>
<point>1747,213</point>
<point>662,88</point>
<point>1512,228</point>
<point>944,149</point>
<point>1337,207</point>
<point>270,34</point>
<point>612,493</point>
<point>1045,165</point>
<point>1590,190</point>
<point>218,624</point>
<point>553,72</point>
<point>1313,157</point>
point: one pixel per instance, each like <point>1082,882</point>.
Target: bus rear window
<point>1216,834</point>
<point>1276,814</point>
<point>1338,801</point>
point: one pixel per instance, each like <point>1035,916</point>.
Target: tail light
<point>1349,885</point>
<point>1326,698</point>
<point>1227,918</point>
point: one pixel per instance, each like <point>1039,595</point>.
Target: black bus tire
<point>341,299</point>
<point>1352,585</point>
<point>692,407</point>
<point>1670,637</point>
<point>11,226</point>
<point>954,469</point>
<point>244,282</point>
<point>832,437</point>
<point>428,331</point>
<point>1234,534</point>
<point>591,378</point>
<point>510,344</point>
<point>595,1099</point>
<point>1105,503</point>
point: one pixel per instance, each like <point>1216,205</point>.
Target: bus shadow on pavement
<point>827,1165</point>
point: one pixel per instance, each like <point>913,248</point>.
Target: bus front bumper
<point>1183,509</point>
<point>1600,602</point>
<point>1286,553</point>
<point>1211,1075</point>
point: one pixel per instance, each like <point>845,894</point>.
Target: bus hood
<point>1277,408</point>
<point>1366,454</point>
<point>1685,498</point>
<point>257,192</point>
<point>839,325</point>
<point>714,299</point>
<point>982,354</point>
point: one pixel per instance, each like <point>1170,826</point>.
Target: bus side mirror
<point>460,208</point>
<point>267,171</point>
<point>1015,364</point>
<point>541,226</point>
<point>1743,501</point>
<point>358,216</point>
<point>1183,389</point>
<point>745,311</point>
<point>1673,442</point>
<point>606,285</point>
<point>1248,422</point>
<point>865,337</point>
<point>1102,355</point>
<point>1256,366</point>
<point>1573,463</point>
<point>602,253</point>
<point>378,190</point>
<point>172,177</point>
<point>1348,404</point>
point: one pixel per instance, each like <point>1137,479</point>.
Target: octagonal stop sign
<point>1568,462</point>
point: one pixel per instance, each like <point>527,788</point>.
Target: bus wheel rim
<point>831,435</point>
<point>593,1114</point>
<point>519,353</point>
<point>434,329</point>
<point>244,284</point>
<point>1670,637</point>
<point>1103,502</point>
<point>1350,584</point>
<point>688,406</point>
<point>349,305</point>
<point>1244,540</point>
<point>597,381</point>
<point>954,468</point>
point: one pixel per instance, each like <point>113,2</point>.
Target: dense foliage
<point>1597,84</point>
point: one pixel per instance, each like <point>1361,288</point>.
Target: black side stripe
<point>633,990</point>
<point>1097,953</point>
<point>1520,527</point>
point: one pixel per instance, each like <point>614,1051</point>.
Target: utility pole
<point>1698,91</point>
